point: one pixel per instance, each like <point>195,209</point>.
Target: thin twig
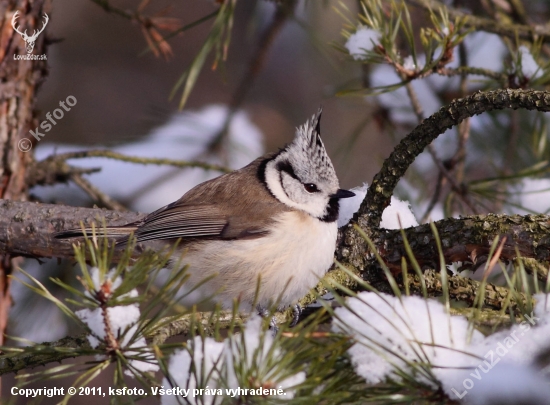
<point>181,30</point>
<point>457,162</point>
<point>282,13</point>
<point>501,78</point>
<point>417,107</point>
<point>105,5</point>
<point>435,197</point>
<point>96,194</point>
<point>459,158</point>
<point>141,160</point>
<point>51,170</point>
<point>150,26</point>
<point>459,189</point>
<point>54,169</point>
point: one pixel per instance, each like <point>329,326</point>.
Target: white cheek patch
<point>273,181</point>
<point>292,188</point>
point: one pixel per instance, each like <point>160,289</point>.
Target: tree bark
<point>27,228</point>
<point>19,81</point>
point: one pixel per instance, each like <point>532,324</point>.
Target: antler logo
<point>29,40</point>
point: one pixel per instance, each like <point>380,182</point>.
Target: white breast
<point>289,261</point>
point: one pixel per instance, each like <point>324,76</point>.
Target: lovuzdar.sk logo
<point>29,39</point>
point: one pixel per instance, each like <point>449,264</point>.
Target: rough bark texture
<point>19,81</point>
<point>469,239</point>
<point>26,228</point>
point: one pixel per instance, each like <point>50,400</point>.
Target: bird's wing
<point>182,221</point>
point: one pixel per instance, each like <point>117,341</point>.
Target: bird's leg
<point>264,313</point>
<point>296,313</point>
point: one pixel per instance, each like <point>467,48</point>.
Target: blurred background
<point>123,93</point>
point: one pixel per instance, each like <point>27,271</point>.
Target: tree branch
<point>19,82</point>
<point>469,240</point>
<point>352,250</point>
<point>137,159</point>
<point>44,353</point>
<point>395,166</point>
<point>26,228</point>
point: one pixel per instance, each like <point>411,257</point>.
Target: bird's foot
<point>264,313</point>
<point>296,313</point>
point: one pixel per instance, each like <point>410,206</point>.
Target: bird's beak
<point>343,194</point>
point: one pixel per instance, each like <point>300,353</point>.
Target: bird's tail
<point>115,232</point>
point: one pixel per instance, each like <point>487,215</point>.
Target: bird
<point>272,224</point>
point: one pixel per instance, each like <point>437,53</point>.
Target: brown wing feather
<point>182,221</point>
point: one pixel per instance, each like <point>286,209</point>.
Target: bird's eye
<point>310,187</point>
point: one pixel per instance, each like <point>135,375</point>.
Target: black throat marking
<point>333,209</point>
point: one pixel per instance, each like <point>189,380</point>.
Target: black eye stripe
<point>285,166</point>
